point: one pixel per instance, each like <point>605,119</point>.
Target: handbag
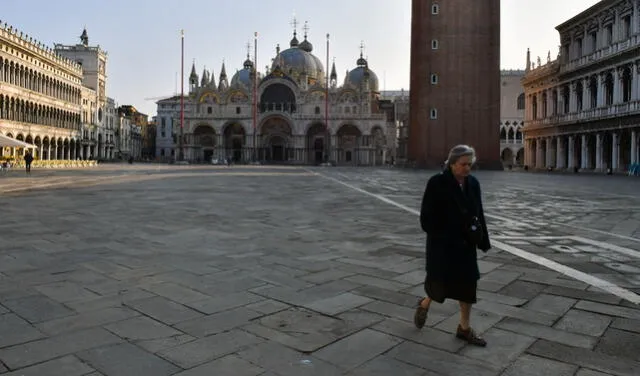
<point>472,225</point>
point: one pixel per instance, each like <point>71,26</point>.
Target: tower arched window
<point>435,8</point>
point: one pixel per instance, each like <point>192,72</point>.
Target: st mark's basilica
<point>293,122</point>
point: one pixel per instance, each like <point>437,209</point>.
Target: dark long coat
<point>450,257</point>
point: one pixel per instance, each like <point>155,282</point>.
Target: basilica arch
<point>276,141</point>
<point>348,142</point>
<point>278,97</point>
<point>235,141</point>
<point>204,142</point>
<point>316,139</point>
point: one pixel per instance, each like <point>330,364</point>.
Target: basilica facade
<point>293,113</point>
<point>583,108</point>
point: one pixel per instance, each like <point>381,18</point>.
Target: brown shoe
<point>470,336</point>
<point>420,317</point>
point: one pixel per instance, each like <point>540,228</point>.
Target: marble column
<point>615,152</point>
<point>601,88</point>
<point>539,154</point>
<point>560,152</point>
<point>571,151</point>
<point>599,151</point>
<point>634,147</point>
<point>584,151</point>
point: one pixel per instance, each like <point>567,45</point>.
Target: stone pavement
<point>199,270</point>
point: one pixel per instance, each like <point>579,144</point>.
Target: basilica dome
<point>356,76</point>
<point>298,59</point>
<point>243,76</point>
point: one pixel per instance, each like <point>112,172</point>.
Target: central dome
<point>298,60</point>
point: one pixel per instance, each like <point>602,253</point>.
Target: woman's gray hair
<point>458,152</point>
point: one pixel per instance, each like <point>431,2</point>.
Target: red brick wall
<point>467,95</point>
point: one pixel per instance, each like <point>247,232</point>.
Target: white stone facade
<point>290,123</point>
<point>40,97</point>
<point>583,109</point>
<point>512,106</point>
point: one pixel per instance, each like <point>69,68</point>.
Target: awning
<point>11,142</point>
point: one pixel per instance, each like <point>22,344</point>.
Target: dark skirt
<point>464,291</point>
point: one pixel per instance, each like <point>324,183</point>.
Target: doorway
<point>318,150</point>
<point>236,145</point>
<point>208,155</point>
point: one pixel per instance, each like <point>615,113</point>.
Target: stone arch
<point>316,140</point>
<point>278,97</point>
<point>348,142</point>
<point>511,135</point>
<point>520,156</point>
<point>507,156</point>
<point>203,140</point>
<point>234,141</point>
<point>503,135</point>
<point>276,141</point>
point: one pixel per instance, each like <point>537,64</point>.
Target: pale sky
<point>142,37</point>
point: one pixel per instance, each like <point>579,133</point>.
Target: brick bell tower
<point>455,80</point>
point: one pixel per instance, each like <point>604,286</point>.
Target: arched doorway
<point>316,143</point>
<point>348,141</point>
<point>204,139</point>
<point>278,97</point>
<point>507,157</point>
<point>234,142</point>
<point>275,134</point>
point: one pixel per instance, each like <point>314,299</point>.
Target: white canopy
<point>10,142</point>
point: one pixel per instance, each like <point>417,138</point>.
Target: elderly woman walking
<point>453,218</point>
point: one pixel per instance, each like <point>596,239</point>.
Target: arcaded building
<point>455,80</point>
<point>583,108</point>
<point>511,117</point>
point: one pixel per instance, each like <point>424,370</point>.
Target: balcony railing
<point>610,111</point>
<point>633,41</point>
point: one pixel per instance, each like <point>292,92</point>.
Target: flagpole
<point>181,153</point>
<point>255,92</point>
<point>326,107</point>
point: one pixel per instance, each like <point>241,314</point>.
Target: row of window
<point>19,110</point>
<point>20,75</point>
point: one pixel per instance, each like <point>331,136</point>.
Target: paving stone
<point>395,311</point>
<point>64,292</point>
<point>588,372</point>
<point>411,278</point>
<point>385,366</point>
<point>442,362</point>
<point>357,348</point>
<point>326,276</point>
<point>229,365</point>
<point>499,298</point>
<point>528,365</point>
<point>216,323</point>
<point>224,302</point>
<point>85,320</point>
<point>160,344</point>
<point>626,324</point>
<point>620,343</point>
<point>164,310</point>
<point>521,313</point>
<point>37,308</point>
<point>585,358</point>
<point>176,292</point>
<point>14,330</point>
<point>206,349</point>
<point>609,310</point>
<point>583,295</point>
<point>583,322</point>
<point>141,328</point>
<point>480,321</point>
<point>126,359</point>
<point>65,366</point>
<point>382,294</point>
<point>267,306</point>
<point>283,361</point>
<point>523,289</point>
<point>44,349</point>
<point>426,336</point>
<point>377,282</point>
<point>338,304</point>
<point>545,332</point>
<point>117,300</point>
<point>502,349</point>
<point>550,304</point>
